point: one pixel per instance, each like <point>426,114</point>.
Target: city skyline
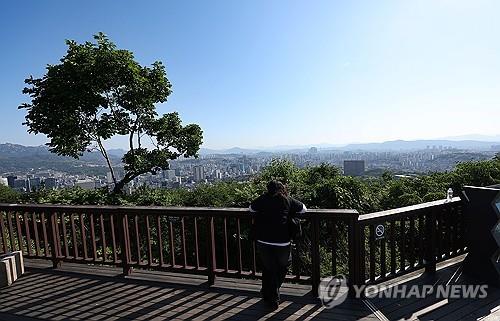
<point>264,74</point>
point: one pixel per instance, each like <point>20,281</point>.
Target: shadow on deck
<point>77,292</point>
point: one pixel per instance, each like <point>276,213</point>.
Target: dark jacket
<point>271,217</point>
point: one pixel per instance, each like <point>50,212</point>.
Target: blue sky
<point>264,73</point>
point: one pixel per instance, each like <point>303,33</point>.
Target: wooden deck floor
<point>77,292</point>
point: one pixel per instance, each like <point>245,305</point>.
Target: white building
<point>85,184</point>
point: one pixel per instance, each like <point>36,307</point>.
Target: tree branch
<point>106,156</point>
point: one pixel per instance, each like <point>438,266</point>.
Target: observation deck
<point>158,263</point>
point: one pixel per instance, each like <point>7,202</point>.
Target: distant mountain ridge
<point>19,158</point>
<point>395,145</point>
<point>16,150</point>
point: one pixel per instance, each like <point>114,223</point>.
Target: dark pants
<point>275,261</point>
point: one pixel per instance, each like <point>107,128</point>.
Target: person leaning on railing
<point>273,212</point>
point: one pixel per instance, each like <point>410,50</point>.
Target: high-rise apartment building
<point>199,173</point>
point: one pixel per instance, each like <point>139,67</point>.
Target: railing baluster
<point>439,237</point>
<point>2,231</point>
<point>11,231</point>
<point>57,241</point>
<point>125,245</point>
<point>315,272</point>
<point>383,267</point>
<point>45,239</point>
<point>172,247</point>
<point>103,238</point>
<point>402,249</point>
<point>334,232</point>
<point>19,232</point>
<point>27,230</point>
<point>65,237</point>
<point>392,244</point>
<point>113,237</point>
<point>254,256</point>
<point>372,253</point>
<point>196,246</point>
<point>160,239</point>
<point>454,234</point>
<point>84,238</point>
<point>35,231</point>
<point>148,235</point>
<point>449,231</point>
<point>238,245</point>
<point>362,251</point>
<point>73,231</point>
<point>92,237</point>
<point>421,234</point>
<point>462,230</point>
<point>411,257</point>
<point>137,240</point>
<point>183,240</point>
<point>211,257</point>
<point>55,248</point>
<point>430,242</point>
<point>226,254</point>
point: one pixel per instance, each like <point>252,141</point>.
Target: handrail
<point>401,211</point>
<point>156,210</point>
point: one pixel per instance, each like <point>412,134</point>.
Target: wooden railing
<point>414,237</point>
<point>215,242</point>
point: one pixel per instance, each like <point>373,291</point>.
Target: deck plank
<point>78,292</point>
<point>86,292</point>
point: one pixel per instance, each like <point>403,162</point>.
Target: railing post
<point>56,262</point>
<point>315,259</point>
<point>211,258</point>
<point>355,259</point>
<point>125,243</point>
<point>430,242</point>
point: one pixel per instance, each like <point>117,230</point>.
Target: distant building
<point>313,150</point>
<point>20,184</point>
<point>199,173</point>
<point>169,174</point>
<point>34,183</point>
<point>85,184</point>
<point>354,167</point>
<point>4,181</point>
<point>50,183</point>
<point>10,180</point>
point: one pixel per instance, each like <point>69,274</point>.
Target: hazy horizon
<point>277,73</point>
<point>470,137</point>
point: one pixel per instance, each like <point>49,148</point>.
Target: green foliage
<point>70,196</point>
<point>98,91</point>
<point>8,195</point>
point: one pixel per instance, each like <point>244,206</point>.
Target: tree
<point>98,91</point>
